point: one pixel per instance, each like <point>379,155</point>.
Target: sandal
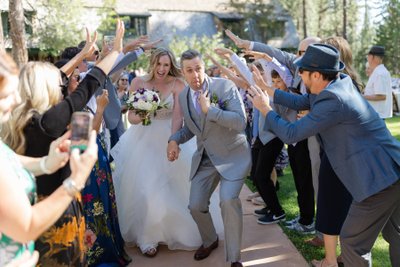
<point>150,252</point>
<point>317,263</point>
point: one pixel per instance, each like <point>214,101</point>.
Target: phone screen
<point>81,126</point>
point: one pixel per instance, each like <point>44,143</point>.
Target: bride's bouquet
<point>144,102</point>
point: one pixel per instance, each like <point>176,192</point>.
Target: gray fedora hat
<point>377,50</point>
<point>320,57</point>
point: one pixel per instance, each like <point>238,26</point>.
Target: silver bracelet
<point>43,166</point>
<point>71,187</point>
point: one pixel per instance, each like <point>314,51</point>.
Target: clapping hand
<point>81,164</point>
<point>245,44</point>
<point>150,45</point>
<point>223,52</point>
<point>257,55</point>
<point>117,46</point>
<point>136,43</point>
<point>258,78</point>
<point>102,100</point>
<point>259,99</point>
<point>119,35</point>
<point>90,44</point>
<point>58,153</point>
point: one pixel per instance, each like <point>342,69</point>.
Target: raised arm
<point>239,81</point>
<point>102,102</point>
<point>23,222</point>
<point>87,50</point>
<point>55,120</point>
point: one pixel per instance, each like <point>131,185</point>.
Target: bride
<point>152,193</point>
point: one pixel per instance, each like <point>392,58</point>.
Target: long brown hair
<point>155,57</point>
<point>346,56</point>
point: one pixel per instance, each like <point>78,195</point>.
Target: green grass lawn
<point>287,195</point>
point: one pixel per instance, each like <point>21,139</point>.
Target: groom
<point>222,155</point>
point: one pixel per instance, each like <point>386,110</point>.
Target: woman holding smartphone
<point>42,117</point>
<point>22,219</point>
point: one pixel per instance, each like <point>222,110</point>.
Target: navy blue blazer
<point>362,151</point>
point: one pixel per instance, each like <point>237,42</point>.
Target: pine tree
<point>388,35</point>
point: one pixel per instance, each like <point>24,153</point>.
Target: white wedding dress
<point>152,193</point>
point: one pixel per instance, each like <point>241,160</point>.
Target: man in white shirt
<point>378,90</point>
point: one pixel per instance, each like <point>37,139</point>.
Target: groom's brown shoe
<point>203,252</point>
<point>236,264</point>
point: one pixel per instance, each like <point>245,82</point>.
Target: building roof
<point>140,6</point>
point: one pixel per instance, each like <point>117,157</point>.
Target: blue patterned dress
<point>103,237</point>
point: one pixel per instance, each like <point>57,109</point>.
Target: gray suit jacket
<point>112,113</point>
<point>360,148</point>
<point>220,133</point>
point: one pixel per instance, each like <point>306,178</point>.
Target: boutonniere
<point>216,102</point>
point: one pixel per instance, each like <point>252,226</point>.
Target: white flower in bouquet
<point>144,101</point>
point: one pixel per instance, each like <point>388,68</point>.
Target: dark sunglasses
<point>96,52</point>
<point>123,79</point>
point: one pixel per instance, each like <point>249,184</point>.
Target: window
<point>136,25</point>
<point>29,15</point>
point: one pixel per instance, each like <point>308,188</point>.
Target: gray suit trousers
<point>380,212</point>
<point>203,184</point>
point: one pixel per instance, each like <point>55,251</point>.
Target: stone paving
<point>263,245</point>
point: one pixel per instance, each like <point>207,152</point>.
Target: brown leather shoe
<point>203,252</point>
<point>236,264</point>
<point>316,242</point>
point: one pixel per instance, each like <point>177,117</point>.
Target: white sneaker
<point>252,195</point>
<point>258,201</point>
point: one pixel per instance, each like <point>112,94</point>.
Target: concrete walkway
<point>263,245</point>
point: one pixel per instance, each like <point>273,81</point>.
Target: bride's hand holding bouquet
<point>143,102</point>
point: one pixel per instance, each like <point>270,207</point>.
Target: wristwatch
<point>71,187</point>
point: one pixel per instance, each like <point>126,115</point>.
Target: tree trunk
<point>17,32</point>
<point>304,19</point>
<point>344,19</point>
<point>2,44</point>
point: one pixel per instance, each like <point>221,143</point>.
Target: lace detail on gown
<point>152,193</point>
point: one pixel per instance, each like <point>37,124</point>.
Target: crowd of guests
<point>82,213</point>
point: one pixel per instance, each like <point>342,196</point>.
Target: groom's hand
<point>204,101</point>
<point>172,151</point>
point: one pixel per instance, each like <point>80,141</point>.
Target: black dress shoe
<point>203,252</point>
<point>236,264</point>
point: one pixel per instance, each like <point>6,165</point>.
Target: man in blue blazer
<point>360,148</point>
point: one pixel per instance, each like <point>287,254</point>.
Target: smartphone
<point>109,41</point>
<point>81,127</point>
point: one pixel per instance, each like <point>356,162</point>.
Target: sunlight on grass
<point>288,198</point>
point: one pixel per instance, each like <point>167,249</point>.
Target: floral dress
<point>10,249</point>
<point>102,237</point>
